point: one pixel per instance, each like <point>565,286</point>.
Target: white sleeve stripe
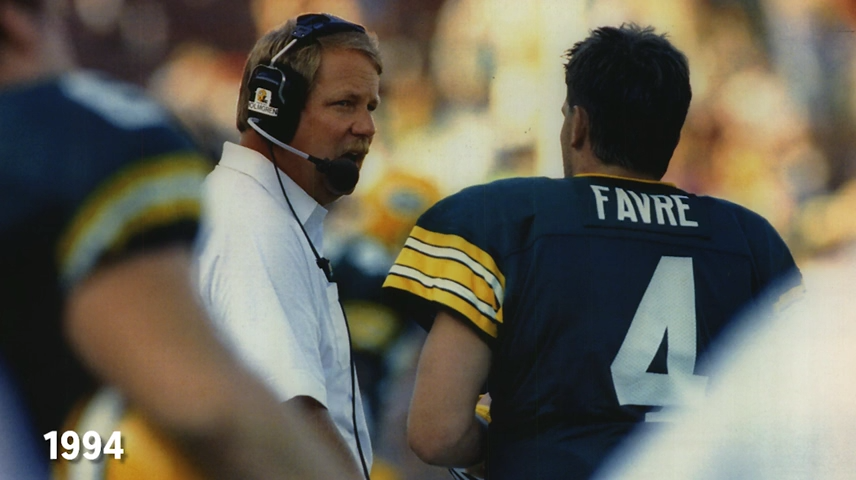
<point>446,285</point>
<point>497,300</point>
<point>455,254</point>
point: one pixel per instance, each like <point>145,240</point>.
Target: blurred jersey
<point>389,211</point>
<point>142,453</point>
<point>20,457</point>
<point>782,405</point>
<point>91,172</point>
<point>598,297</point>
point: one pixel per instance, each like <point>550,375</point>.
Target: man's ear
<point>579,127</point>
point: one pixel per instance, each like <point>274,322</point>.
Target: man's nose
<point>364,126</point>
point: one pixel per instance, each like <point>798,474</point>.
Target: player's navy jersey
<point>90,171</point>
<point>598,297</point>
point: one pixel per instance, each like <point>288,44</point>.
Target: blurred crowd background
<point>472,91</point>
<point>473,88</point>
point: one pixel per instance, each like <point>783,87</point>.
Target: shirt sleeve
<point>447,262</point>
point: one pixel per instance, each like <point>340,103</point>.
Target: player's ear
<point>579,126</point>
<point>19,28</point>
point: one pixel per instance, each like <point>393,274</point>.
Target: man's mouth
<point>356,157</point>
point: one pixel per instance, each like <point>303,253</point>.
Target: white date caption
<point>91,445</point>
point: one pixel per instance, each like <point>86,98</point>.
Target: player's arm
<point>442,428</point>
<point>137,325</point>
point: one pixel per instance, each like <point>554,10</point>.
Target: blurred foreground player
<point>584,304</point>
<point>20,456</point>
<point>100,196</point>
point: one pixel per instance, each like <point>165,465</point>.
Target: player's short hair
<point>304,59</point>
<point>635,86</point>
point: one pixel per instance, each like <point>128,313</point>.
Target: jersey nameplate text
<point>613,206</point>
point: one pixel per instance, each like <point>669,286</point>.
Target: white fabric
<point>259,280</point>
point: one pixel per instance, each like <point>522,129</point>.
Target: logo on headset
<point>261,103</point>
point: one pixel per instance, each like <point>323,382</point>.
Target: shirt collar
<point>250,162</point>
<point>621,177</point>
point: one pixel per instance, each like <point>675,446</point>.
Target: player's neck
<point>591,165</point>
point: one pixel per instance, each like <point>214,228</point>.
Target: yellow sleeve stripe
<point>453,247</point>
<point>448,286</point>
<point>156,192</point>
<point>436,294</point>
<point>158,215</point>
<point>438,267</point>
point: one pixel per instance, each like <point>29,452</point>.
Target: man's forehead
<point>348,72</point>
<point>343,57</point>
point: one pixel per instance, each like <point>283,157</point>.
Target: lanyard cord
<point>322,262</point>
<point>324,265</point>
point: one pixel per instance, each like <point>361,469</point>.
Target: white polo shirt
<point>259,280</point>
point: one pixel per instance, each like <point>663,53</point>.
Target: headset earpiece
<point>277,96</point>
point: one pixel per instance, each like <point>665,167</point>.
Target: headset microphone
<point>342,173</point>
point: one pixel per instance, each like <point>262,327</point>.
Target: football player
<point>585,304</point>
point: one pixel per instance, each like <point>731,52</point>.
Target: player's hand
<point>476,472</point>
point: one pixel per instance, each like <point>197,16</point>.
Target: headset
<point>279,94</point>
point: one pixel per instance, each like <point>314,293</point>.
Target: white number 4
<point>668,306</point>
<point>114,445</point>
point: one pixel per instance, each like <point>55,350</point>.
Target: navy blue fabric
<point>575,276</point>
